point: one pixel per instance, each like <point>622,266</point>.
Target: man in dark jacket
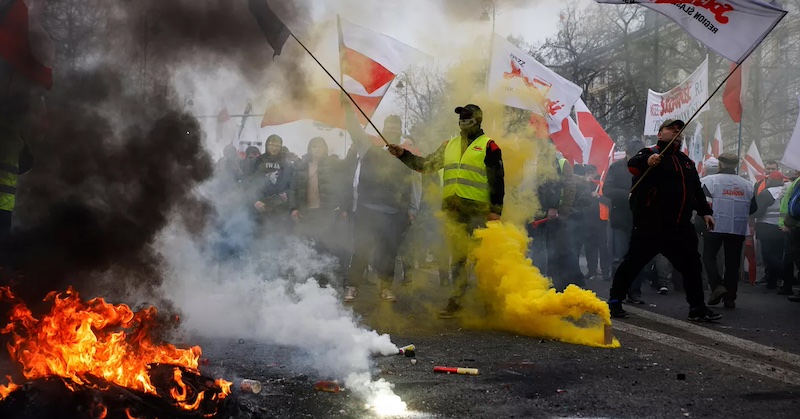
<point>272,182</point>
<point>384,205</point>
<point>616,188</point>
<point>768,233</point>
<point>666,191</point>
<point>317,203</point>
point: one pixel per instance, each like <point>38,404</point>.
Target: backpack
<point>794,202</point>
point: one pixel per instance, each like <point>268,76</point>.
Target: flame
<point>94,338</point>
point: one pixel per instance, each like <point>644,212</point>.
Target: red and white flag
<point>601,145</point>
<point>369,63</point>
<point>24,44</point>
<point>733,28</point>
<point>516,79</point>
<point>716,143</point>
<point>754,164</point>
<point>570,141</point>
<point>735,90</point>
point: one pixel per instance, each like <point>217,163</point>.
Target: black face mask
<point>467,124</point>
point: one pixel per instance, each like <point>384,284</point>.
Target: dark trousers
<point>327,231</point>
<point>459,228</point>
<point>562,259</point>
<point>598,256</point>
<point>772,253</point>
<point>620,240</point>
<point>791,257</point>
<point>5,236</point>
<point>678,245</point>
<point>5,225</point>
<point>376,237</point>
<point>732,248</point>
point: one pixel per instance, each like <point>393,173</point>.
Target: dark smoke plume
<point>117,161</point>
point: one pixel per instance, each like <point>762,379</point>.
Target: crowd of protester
<point>584,215</point>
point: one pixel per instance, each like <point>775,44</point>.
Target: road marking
<point>767,370</point>
<point>725,338</point>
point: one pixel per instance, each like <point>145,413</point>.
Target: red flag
<point>733,95</point>
<point>569,141</point>
<point>17,30</point>
<point>602,144</point>
<point>223,116</point>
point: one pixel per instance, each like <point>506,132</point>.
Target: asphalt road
<point>742,367</point>
<point>745,366</point>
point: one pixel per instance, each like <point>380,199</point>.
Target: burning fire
<point>80,339</point>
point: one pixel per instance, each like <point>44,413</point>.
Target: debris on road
<point>456,370</point>
<point>327,386</point>
<point>405,349</point>
<point>250,386</point>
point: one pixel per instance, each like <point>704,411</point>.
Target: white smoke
<point>250,300</point>
<point>270,295</point>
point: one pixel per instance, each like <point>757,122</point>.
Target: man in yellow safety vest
<point>473,189</point>
<point>15,159</point>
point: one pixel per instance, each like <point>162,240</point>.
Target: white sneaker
<point>663,290</point>
<point>350,294</point>
<point>387,295</point>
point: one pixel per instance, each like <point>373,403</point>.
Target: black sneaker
<point>451,311</point>
<point>615,306</point>
<point>703,315</point>
<point>634,300</point>
<point>730,304</point>
<point>717,295</point>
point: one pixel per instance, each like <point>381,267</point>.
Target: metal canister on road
<point>250,386</point>
<point>327,386</point>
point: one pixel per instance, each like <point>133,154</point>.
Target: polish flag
<point>602,145</point>
<point>570,141</point>
<point>754,164</point>
<point>716,144</point>
<point>735,89</point>
<point>369,63</point>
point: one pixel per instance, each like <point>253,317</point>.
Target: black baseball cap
<point>470,111</point>
<point>672,122</point>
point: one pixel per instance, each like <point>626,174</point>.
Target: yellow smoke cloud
<point>523,301</point>
<point>519,297</point>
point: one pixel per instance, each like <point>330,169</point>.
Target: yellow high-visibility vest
<point>465,174</point>
<point>11,146</point>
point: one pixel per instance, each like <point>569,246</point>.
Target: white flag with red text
<point>681,102</point>
<point>517,80</point>
<point>733,28</point>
